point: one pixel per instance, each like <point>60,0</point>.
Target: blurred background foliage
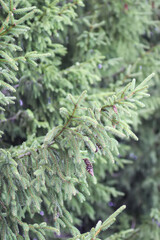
<point>95,46</point>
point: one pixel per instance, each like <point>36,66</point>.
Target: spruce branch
<point>121,99</point>
<point>63,128</point>
<point>4,5</point>
<point>142,56</point>
<point>7,30</point>
<point>60,12</point>
<point>59,171</point>
<point>124,97</point>
<point>100,226</point>
<point>17,22</point>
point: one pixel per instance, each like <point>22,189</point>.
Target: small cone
<point>126,6</point>
<point>89,166</point>
<point>115,109</point>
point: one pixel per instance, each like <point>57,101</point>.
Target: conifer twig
<point>64,127</point>
<point>7,30</point>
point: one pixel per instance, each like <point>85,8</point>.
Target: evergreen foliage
<point>59,140</point>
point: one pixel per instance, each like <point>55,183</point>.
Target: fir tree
<point>56,136</point>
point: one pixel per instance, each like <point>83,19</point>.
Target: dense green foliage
<point>67,158</point>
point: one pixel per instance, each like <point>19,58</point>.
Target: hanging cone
<point>89,166</point>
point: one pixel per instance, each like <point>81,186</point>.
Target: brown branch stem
<point>7,30</point>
